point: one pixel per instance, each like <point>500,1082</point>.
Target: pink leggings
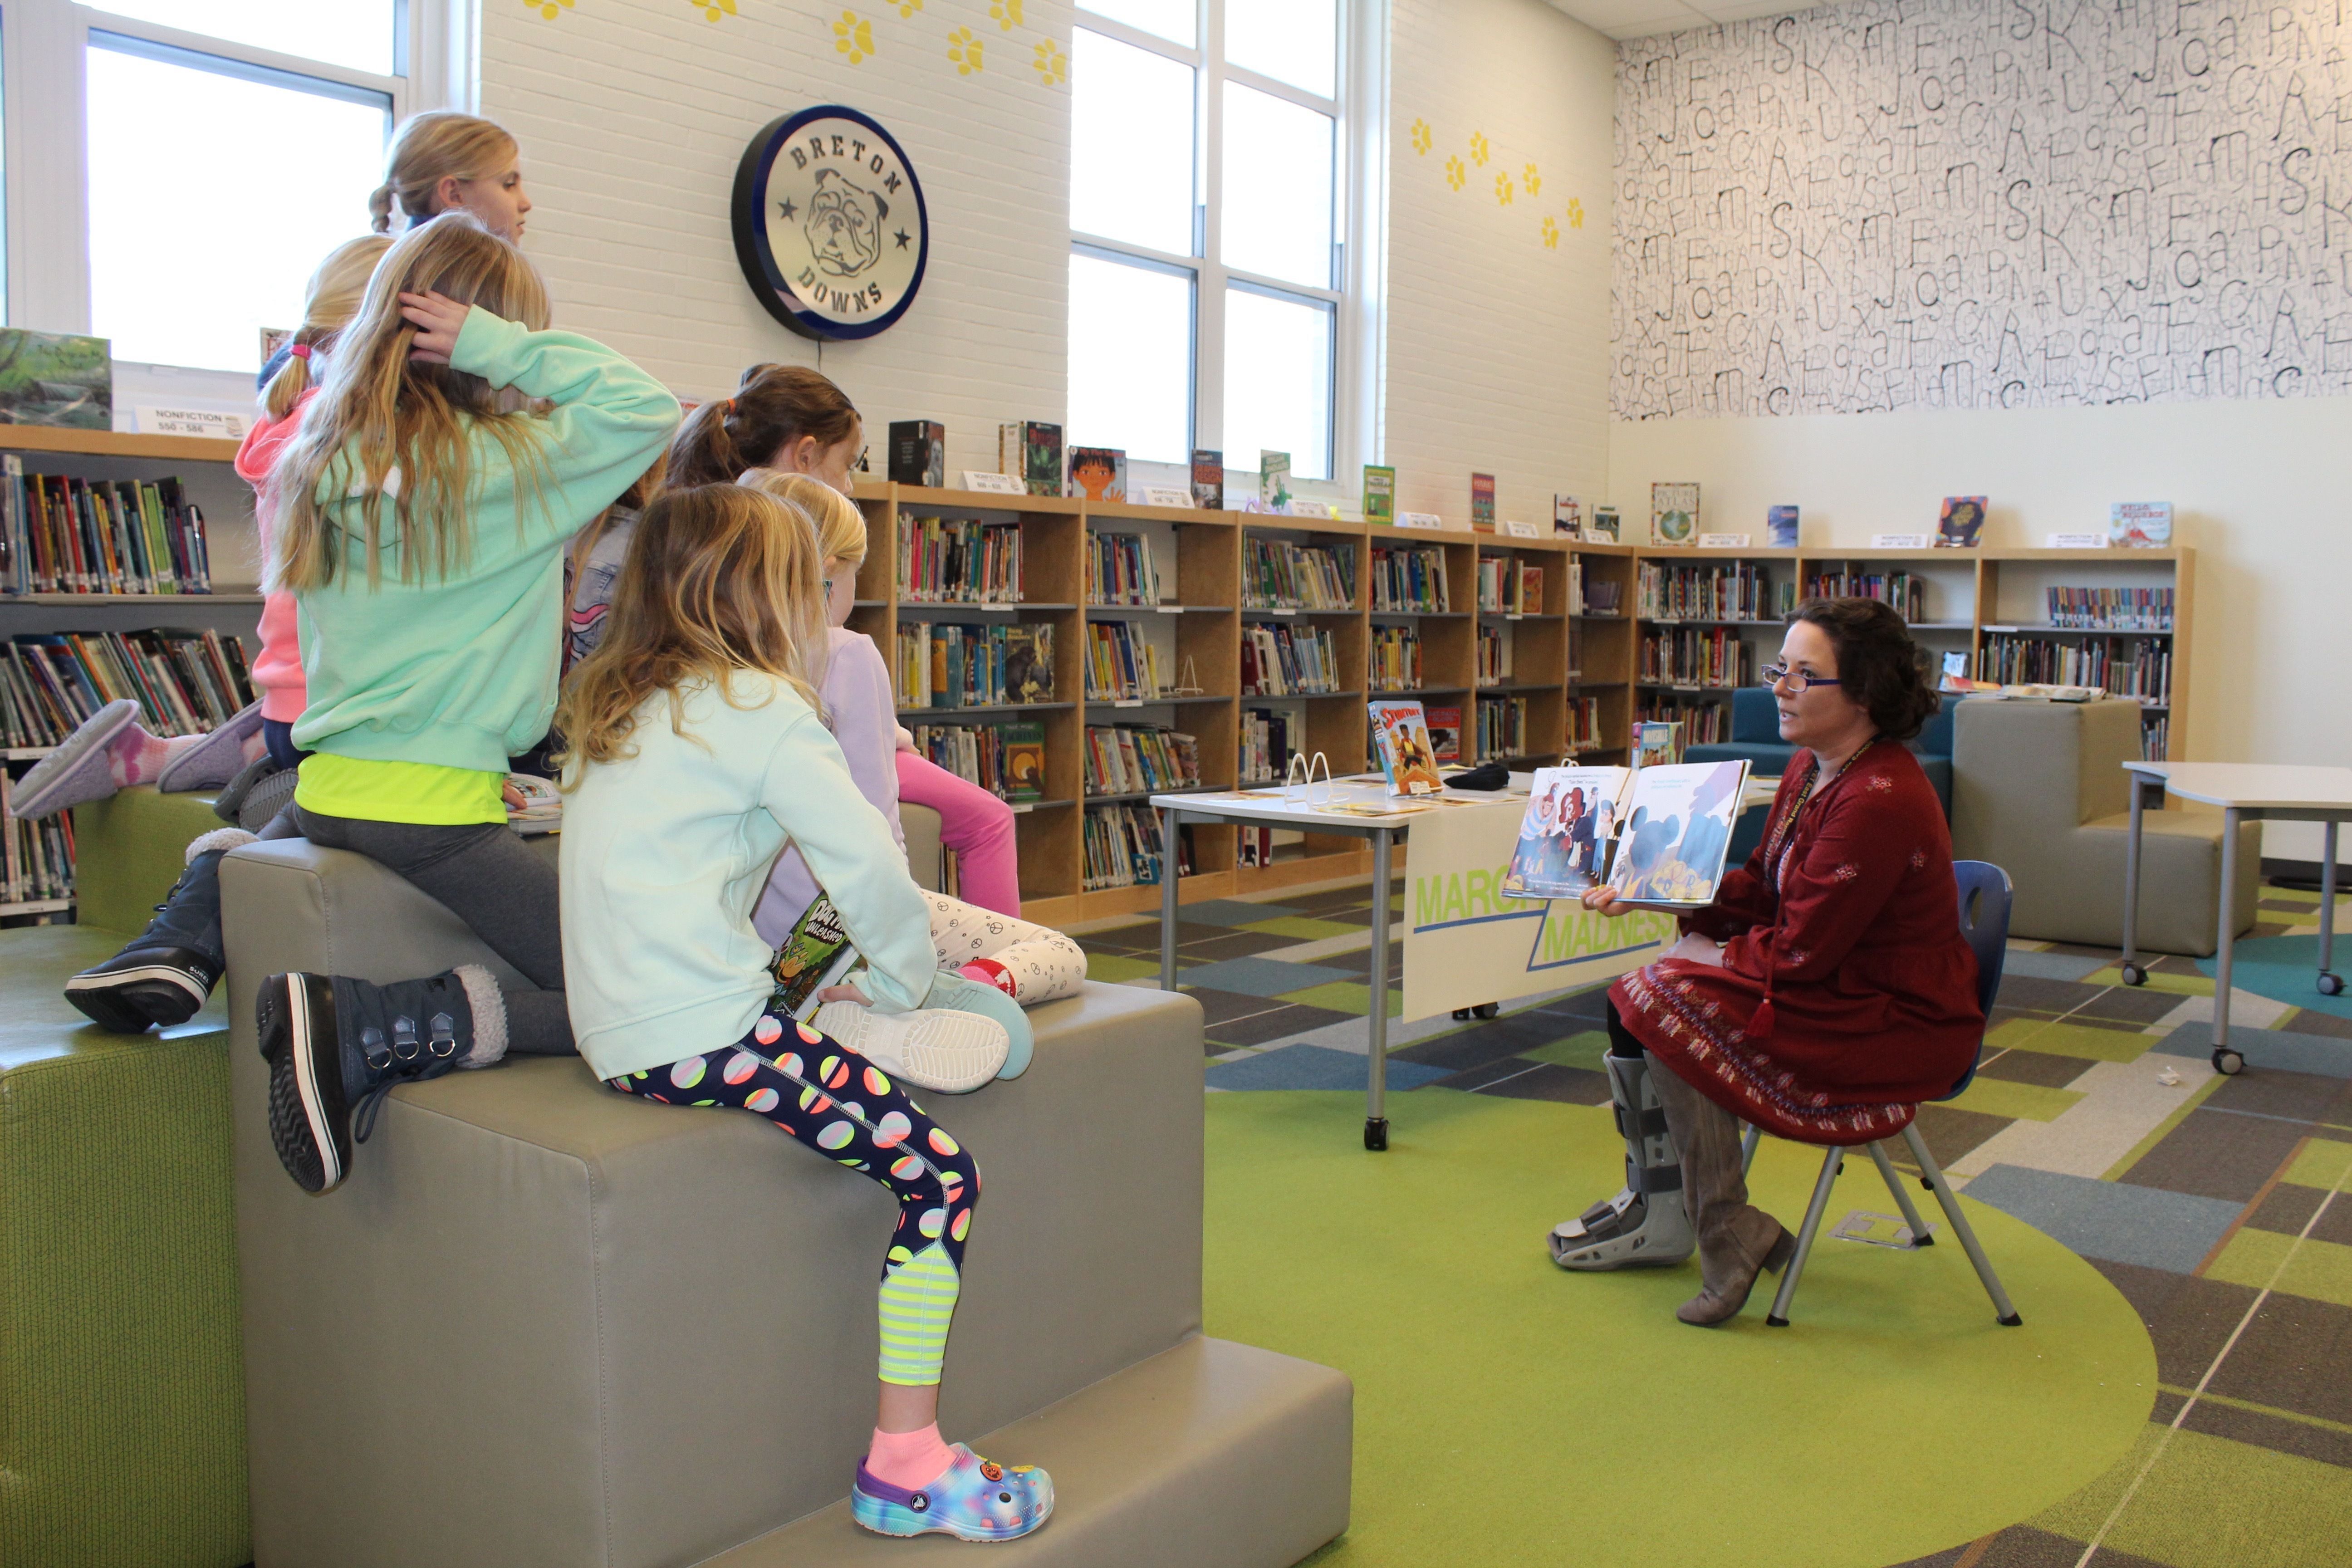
<point>974,824</point>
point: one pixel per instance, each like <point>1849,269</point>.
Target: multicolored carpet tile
<point>2220,1207</point>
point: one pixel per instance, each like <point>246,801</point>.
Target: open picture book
<point>1565,838</point>
<point>1659,836</point>
<point>1408,754</point>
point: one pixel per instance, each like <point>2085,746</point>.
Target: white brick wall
<point>633,113</point>
<point>1497,344</point>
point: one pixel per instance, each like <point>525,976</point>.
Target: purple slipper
<point>76,769</point>
<point>213,759</point>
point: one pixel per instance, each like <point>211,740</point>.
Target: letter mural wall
<point>1984,204</point>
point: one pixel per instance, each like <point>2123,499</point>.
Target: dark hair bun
<point>1879,666</point>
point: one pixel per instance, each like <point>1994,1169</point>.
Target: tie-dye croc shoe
<point>76,772</point>
<point>974,1500</point>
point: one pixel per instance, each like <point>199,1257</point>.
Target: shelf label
<point>1163,495</point>
<point>1169,609</point>
<point>1428,520</point>
<point>993,484</point>
<point>1521,530</point>
<point>1901,541</point>
<point>154,420</point>
<point>2078,541</point>
<point>1724,540</point>
<point>1129,702</point>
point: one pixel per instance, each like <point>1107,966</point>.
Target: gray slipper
<point>214,760</point>
<point>76,769</point>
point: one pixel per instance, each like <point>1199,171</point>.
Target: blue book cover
<point>1780,527</point>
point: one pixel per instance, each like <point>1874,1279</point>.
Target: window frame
<point>44,81</point>
<point>1358,222</point>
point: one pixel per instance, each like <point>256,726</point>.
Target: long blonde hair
<point>719,578</point>
<point>378,410</point>
<point>840,526</point>
<point>328,305</point>
<point>429,148</point>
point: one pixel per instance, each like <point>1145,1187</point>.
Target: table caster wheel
<point>1487,1010</point>
<point>2331,985</point>
<point>2135,975</point>
<point>2227,1062</point>
<point>1376,1132</point>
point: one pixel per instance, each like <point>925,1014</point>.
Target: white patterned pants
<point>1036,962</point>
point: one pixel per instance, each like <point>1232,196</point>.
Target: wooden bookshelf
<point>115,443</point>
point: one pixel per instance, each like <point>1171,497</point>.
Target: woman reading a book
<point>1824,993</point>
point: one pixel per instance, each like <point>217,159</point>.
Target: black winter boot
<point>167,971</point>
<point>336,1046</point>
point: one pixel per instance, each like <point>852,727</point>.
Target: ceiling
<point>1638,19</point>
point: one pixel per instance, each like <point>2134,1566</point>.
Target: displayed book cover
<point>1563,845</point>
<point>2140,525</point>
<point>1024,761</point>
<point>1208,479</point>
<point>1567,516</point>
<point>1674,514</point>
<point>1780,527</point>
<point>1657,742</point>
<point>55,378</point>
<point>1274,480</point>
<point>1379,493</point>
<point>1099,473</point>
<point>1961,524</point>
<point>1482,503</point>
<point>1028,664</point>
<point>919,453</point>
<point>542,803</point>
<point>1677,829</point>
<point>818,954</point>
<point>1030,451</point>
<point>1445,734</point>
<point>1603,529</point>
<point>1408,756</point>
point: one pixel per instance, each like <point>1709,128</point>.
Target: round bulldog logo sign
<point>830,224</point>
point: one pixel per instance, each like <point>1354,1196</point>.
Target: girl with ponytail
<point>445,160</point>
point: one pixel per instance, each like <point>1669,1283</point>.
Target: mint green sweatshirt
<point>664,853</point>
<point>462,672</point>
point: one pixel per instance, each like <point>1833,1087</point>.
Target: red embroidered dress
<point>1847,992</point>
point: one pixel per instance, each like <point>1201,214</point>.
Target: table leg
<point>1376,1120</point>
<point>1167,880</point>
<point>2133,975</point>
<point>2329,985</point>
<point>2225,1060</point>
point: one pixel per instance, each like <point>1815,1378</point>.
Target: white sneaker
<point>942,1048</point>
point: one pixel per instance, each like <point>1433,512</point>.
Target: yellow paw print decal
<point>909,7</point>
<point>1005,12</point>
<point>712,9</point>
<point>551,9</point>
<point>964,49</point>
<point>1051,64</point>
<point>1533,181</point>
<point>1575,212</point>
<point>853,36</point>
<point>1503,189</point>
<point>1550,232</point>
<point>1421,136</point>
<point>1480,148</point>
<point>1455,174</point>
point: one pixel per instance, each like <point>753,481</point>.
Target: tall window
<point>225,147</point>
<point>1207,210</point>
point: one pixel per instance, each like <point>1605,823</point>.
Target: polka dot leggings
<point>833,1099</point>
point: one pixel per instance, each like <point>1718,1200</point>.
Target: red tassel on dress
<point>1847,992</point>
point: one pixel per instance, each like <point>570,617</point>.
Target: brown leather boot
<point>1737,1241</point>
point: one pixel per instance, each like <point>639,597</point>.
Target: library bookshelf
<point>1564,665</point>
<point>204,469</point>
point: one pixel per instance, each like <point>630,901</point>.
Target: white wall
<point>1497,344</point>
<point>632,117</point>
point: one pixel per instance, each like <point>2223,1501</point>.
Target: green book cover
<point>815,956</point>
<point>1379,493</point>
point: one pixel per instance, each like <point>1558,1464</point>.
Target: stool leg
<point>1779,1316</point>
<point>1747,1142</point>
<point>1960,1226</point>
<point>1919,1237</point>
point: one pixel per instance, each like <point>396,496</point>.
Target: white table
<point>2246,792</point>
<point>1294,806</point>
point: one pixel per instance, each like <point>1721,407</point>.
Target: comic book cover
<point>1408,757</point>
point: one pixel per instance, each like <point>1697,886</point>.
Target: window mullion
<point>1111,28</point>
<point>1209,310</point>
<point>49,189</point>
<point>296,65</point>
<point>1359,342</point>
<point>1282,90</point>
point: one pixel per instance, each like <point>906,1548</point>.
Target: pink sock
<point>988,972</point>
<point>136,757</point>
<point>908,1459</point>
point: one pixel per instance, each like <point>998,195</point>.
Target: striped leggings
<point>834,1100</point>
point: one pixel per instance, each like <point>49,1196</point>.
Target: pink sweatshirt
<point>277,667</point>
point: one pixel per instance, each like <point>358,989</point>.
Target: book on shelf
<point>2111,609</point>
<point>1120,570</point>
<point>1564,838</point>
<point>1676,829</point>
<point>1123,847</point>
<point>64,535</point>
<point>61,379</point>
<point>2138,669</point>
<point>1269,739</point>
<point>1907,591</point>
<point>1482,503</point>
<point>1567,516</point>
<point>1584,725</point>
<point>1407,755</point>
<point>1099,473</point>
<point>943,665</point>
<point>1780,527</point>
<point>1742,591</point>
<point>1603,528</point>
<point>1280,574</point>
<point>1208,479</point>
<point>918,452</point>
<point>1031,450</point>
<point>1288,661</point>
<point>1122,665</point>
<point>2140,525</point>
<point>1502,728</point>
<point>1510,587</point>
<point>1409,578</point>
<point>1674,513</point>
<point>1960,525</point>
<point>1445,731</point>
<point>1379,493</point>
<point>1493,655</point>
<point>1701,723</point>
<point>1395,659</point>
<point>1658,742</point>
<point>1024,759</point>
<point>1140,759</point>
<point>185,683</point>
<point>1695,655</point>
<point>976,753</point>
<point>1603,596</point>
<point>39,864</point>
<point>816,954</point>
<point>1274,480</point>
<point>959,561</point>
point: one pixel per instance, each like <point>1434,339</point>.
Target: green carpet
<point>1506,1412</point>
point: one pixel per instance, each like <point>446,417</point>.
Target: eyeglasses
<point>1803,679</point>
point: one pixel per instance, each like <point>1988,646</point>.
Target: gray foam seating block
<point>545,1324</point>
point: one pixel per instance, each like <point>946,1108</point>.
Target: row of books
<point>1278,574</point>
<point>1907,591</point>
<point>1696,656</point>
<point>941,665</point>
<point>2112,609</point>
<point>1599,596</point>
<point>1410,579</point>
<point>1395,658</point>
<point>1583,724</point>
<point>1132,759</point>
<point>1123,847</point>
<point>39,863</point>
<point>184,682</point>
<point>1288,661</point>
<point>1741,592</point>
<point>1509,587</point>
<point>1121,664</point>
<point>2156,737</point>
<point>1269,738</point>
<point>2139,671</point>
<point>1120,570</point>
<point>959,561</point>
<point>1704,723</point>
<point>1493,655</point>
<point>63,535</point>
<point>1006,759</point>
<point>1502,728</point>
